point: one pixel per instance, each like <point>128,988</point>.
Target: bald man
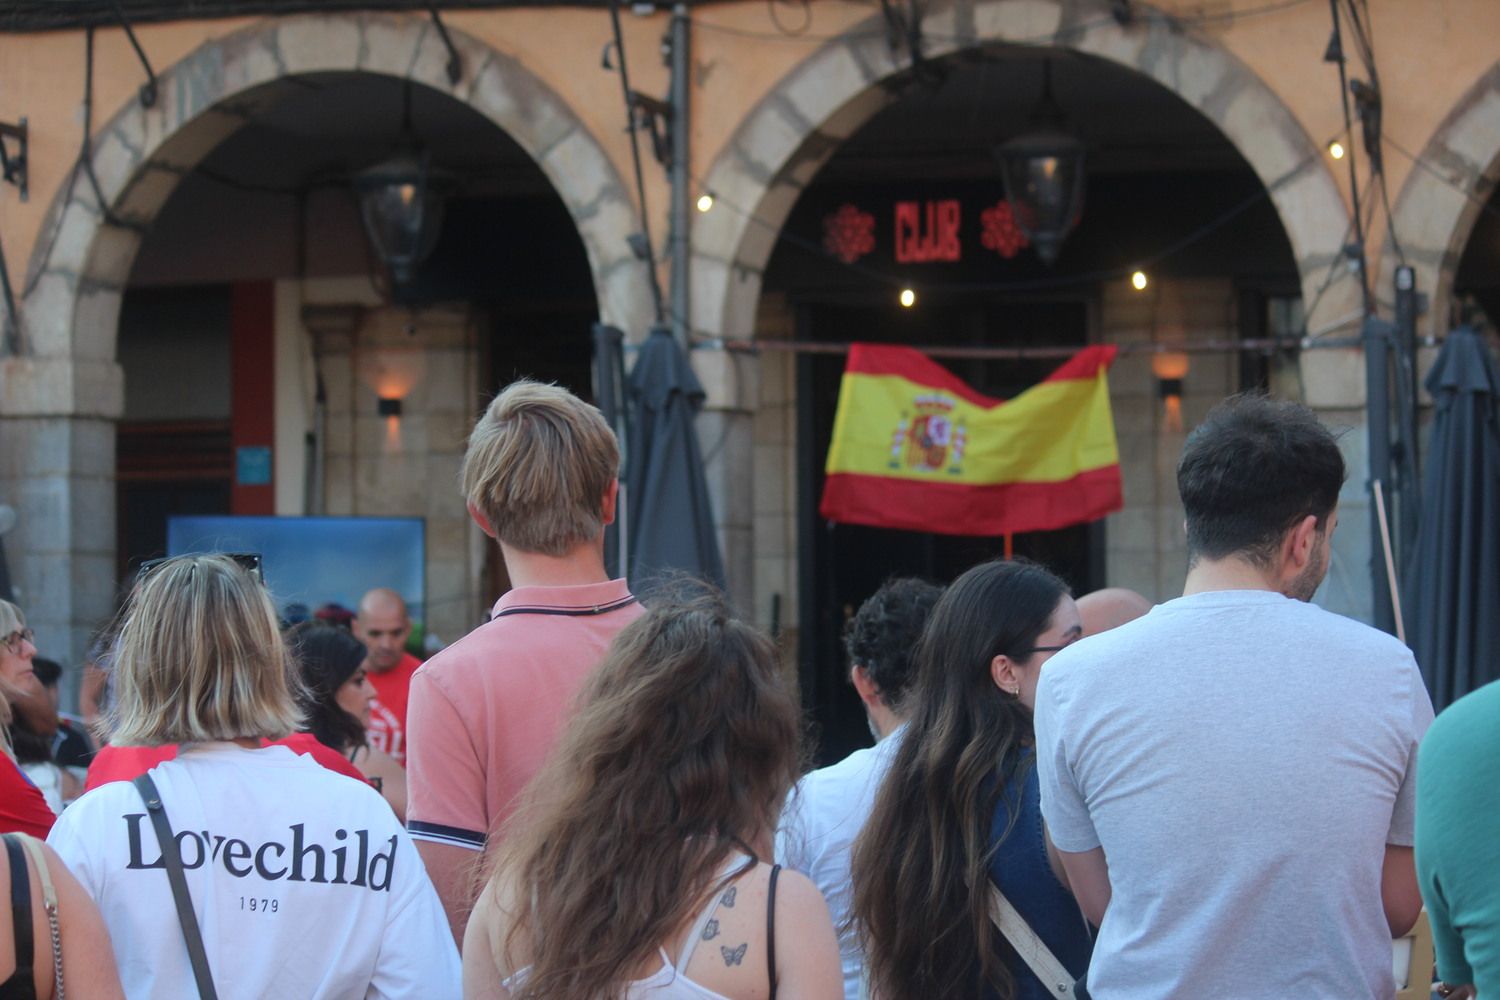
<point>382,625</point>
<point>1110,608</point>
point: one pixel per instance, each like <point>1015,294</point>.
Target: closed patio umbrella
<point>671,528</point>
<point>1453,581</point>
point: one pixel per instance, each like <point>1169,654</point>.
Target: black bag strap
<point>173,862</point>
<point>21,983</point>
<point>771,928</point>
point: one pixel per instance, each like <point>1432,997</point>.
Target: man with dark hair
<point>828,808</point>
<point>1229,779</point>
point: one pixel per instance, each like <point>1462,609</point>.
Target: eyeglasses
<point>16,639</point>
<point>250,562</point>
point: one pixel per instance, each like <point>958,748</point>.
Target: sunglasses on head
<point>250,562</point>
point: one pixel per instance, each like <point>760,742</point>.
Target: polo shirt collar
<point>588,598</point>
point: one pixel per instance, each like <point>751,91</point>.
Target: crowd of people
<point>590,797</point>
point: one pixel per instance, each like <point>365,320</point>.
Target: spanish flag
<point>916,448</point>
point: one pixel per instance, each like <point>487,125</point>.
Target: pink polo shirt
<point>484,713</point>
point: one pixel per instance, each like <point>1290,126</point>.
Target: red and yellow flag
<point>915,448</point>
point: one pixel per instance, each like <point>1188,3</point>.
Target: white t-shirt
<point>823,816</point>
<point>304,883</point>
<point>1243,759</point>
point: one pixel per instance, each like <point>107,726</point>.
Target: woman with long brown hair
<point>639,865</point>
<point>959,808</point>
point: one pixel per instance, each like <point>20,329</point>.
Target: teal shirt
<point>1458,838</point>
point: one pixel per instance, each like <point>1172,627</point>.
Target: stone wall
<point>407,466</point>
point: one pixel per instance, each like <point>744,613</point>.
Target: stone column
<point>57,468</point>
<point>726,433</point>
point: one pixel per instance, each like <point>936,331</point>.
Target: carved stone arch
<point>795,128</point>
<point>63,389</point>
<point>77,277</point>
<point>1441,199</point>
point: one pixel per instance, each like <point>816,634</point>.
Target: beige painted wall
<point>1430,53</point>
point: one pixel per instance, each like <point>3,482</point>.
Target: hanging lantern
<point>401,202</point>
<point>1043,174</point>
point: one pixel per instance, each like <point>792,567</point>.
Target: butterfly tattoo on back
<point>734,956</point>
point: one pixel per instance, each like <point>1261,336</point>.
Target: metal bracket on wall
<point>655,116</point>
<point>148,89</point>
<point>15,166</point>
<point>455,65</point>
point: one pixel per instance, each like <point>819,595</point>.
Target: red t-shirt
<point>387,729</point>
<point>22,808</point>
<point>129,763</point>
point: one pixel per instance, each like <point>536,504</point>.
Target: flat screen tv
<point>314,561</point>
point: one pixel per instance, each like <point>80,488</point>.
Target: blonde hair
<point>11,620</point>
<point>199,656</point>
<point>538,465</point>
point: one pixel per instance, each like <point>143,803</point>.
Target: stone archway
<point>1443,195</point>
<point>64,388</point>
<point>791,133</point>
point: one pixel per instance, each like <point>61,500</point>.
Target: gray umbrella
<point>671,527</point>
<point>1454,579</point>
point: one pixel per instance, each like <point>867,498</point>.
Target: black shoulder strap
<point>771,928</point>
<point>21,985</point>
<point>173,862</point>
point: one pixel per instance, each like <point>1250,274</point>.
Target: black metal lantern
<point>1044,178</point>
<point>401,201</point>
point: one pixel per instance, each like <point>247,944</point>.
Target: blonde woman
<point>640,869</point>
<point>23,809</point>
<point>27,958</point>
<point>302,882</point>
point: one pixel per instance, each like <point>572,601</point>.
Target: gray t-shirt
<point>1243,759</point>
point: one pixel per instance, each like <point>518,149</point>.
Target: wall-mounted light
<point>1170,369</point>
<point>908,298</point>
<point>388,406</point>
<point>705,201</point>
<point>1139,281</point>
<point>1336,150</point>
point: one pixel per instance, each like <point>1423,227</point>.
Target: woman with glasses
<point>23,808</point>
<point>959,809</point>
<point>298,882</point>
<point>336,700</point>
<point>27,955</point>
<point>640,867</point>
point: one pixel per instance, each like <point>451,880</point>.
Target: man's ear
<point>611,497</point>
<point>869,691</point>
<point>480,519</point>
<point>1300,546</point>
<point>1006,677</point>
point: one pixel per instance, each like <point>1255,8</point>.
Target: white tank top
<point>669,982</point>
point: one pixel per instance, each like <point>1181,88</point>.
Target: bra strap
<point>771,929</point>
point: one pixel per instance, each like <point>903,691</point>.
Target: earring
<point>1015,692</point>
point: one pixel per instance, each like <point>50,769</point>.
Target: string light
<point>1336,149</point>
<point>705,202</point>
<point>908,298</point>
<point>1139,281</point>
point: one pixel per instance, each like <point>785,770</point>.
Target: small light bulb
<point>908,297</point>
<point>1336,149</point>
<point>1139,281</point>
<point>705,202</point>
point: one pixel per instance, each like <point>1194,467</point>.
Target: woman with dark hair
<point>959,809</point>
<point>336,701</point>
<point>639,865</point>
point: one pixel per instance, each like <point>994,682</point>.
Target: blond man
<point>540,477</point>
